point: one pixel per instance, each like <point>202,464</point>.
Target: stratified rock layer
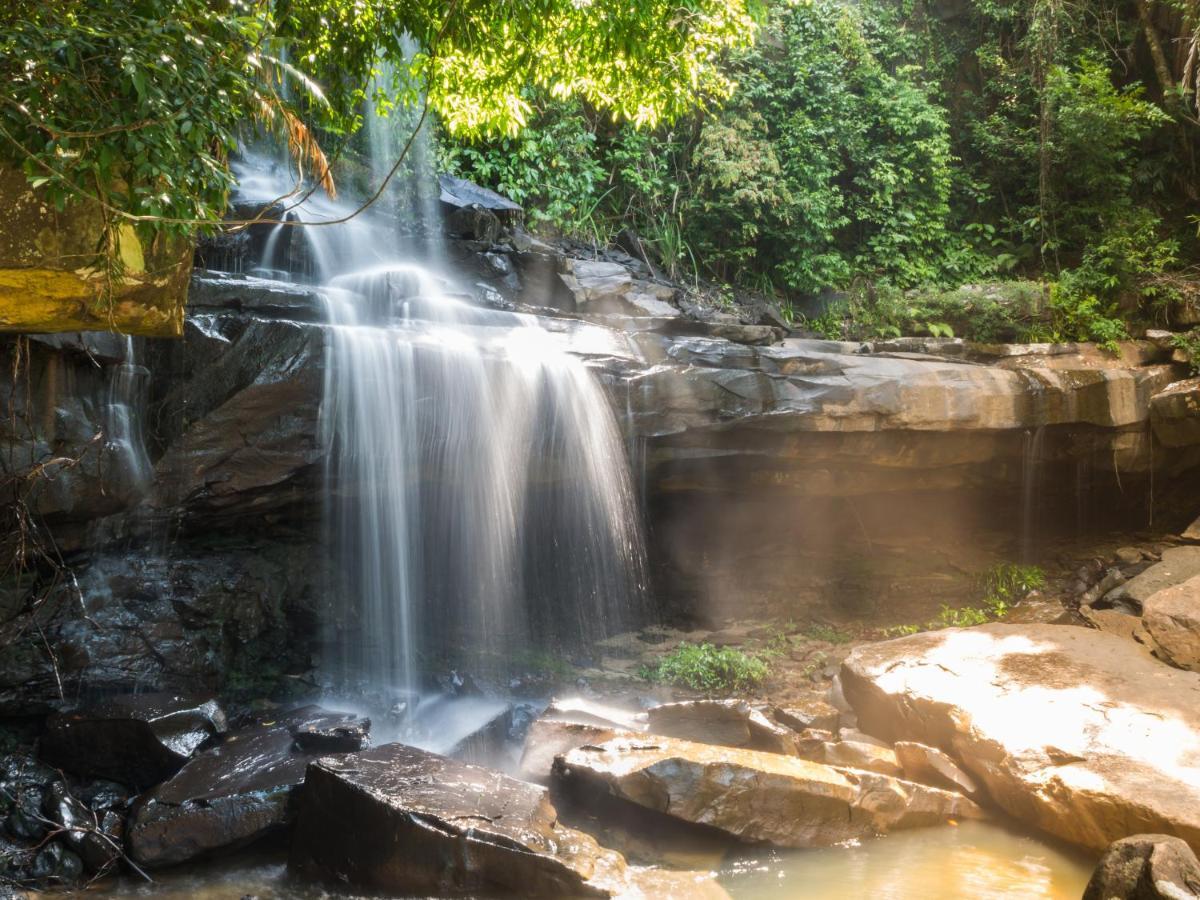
<point>755,796</point>
<point>1070,730</point>
<point>403,820</point>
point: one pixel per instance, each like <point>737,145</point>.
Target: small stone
<point>1127,556</point>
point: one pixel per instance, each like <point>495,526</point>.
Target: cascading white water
<point>128,467</point>
<point>478,494</point>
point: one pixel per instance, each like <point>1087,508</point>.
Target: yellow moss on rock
<point>51,280</point>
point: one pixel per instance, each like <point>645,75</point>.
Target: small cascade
<point>127,464</point>
<point>1032,458</point>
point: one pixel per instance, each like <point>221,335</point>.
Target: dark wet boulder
<point>317,730</point>
<point>56,865</point>
<point>403,820</point>
<point>239,791</point>
<point>1146,867</point>
<point>94,836</point>
<point>137,739</point>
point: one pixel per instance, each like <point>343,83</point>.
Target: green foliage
<point>139,103</point>
<point>551,169</point>
<point>709,669</point>
<point>1007,583</point>
<point>1079,316</point>
<point>832,162</point>
<point>998,313</point>
<point>820,631</point>
<point>959,617</point>
<point>1189,343</point>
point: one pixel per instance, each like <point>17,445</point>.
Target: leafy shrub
<point>819,631</point>
<point>708,668</point>
<point>1007,583</point>
<point>1189,343</point>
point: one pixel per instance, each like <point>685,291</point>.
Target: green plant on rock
<point>709,669</point>
<point>1189,343</point>
<point>821,631</point>
<point>1007,583</point>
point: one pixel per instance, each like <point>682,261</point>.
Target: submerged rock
<point>136,739</point>
<point>1172,616</point>
<point>400,819</point>
<point>1070,730</point>
<point>1146,867</point>
<point>755,796</point>
<point>239,791</point>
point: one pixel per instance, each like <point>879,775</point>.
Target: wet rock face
<point>754,796</point>
<point>239,791</point>
<point>136,739</point>
<point>1146,867</point>
<point>1070,730</point>
<point>400,819</point>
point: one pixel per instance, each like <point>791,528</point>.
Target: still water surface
<point>973,861</point>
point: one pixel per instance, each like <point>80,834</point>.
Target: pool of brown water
<point>980,861</point>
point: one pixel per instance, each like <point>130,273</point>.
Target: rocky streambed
<point>924,754</point>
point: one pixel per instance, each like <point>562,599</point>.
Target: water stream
<point>478,497</point>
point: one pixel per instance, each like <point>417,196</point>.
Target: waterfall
<point>1032,457</point>
<point>478,497</point>
<point>127,464</point>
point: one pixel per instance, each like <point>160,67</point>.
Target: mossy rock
<point>52,278</point>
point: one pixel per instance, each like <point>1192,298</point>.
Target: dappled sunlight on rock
<point>1070,729</point>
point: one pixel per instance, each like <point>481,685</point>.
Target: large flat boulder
<point>137,739</point>
<point>755,796</point>
<point>399,819</point>
<point>1172,616</point>
<point>1070,730</point>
